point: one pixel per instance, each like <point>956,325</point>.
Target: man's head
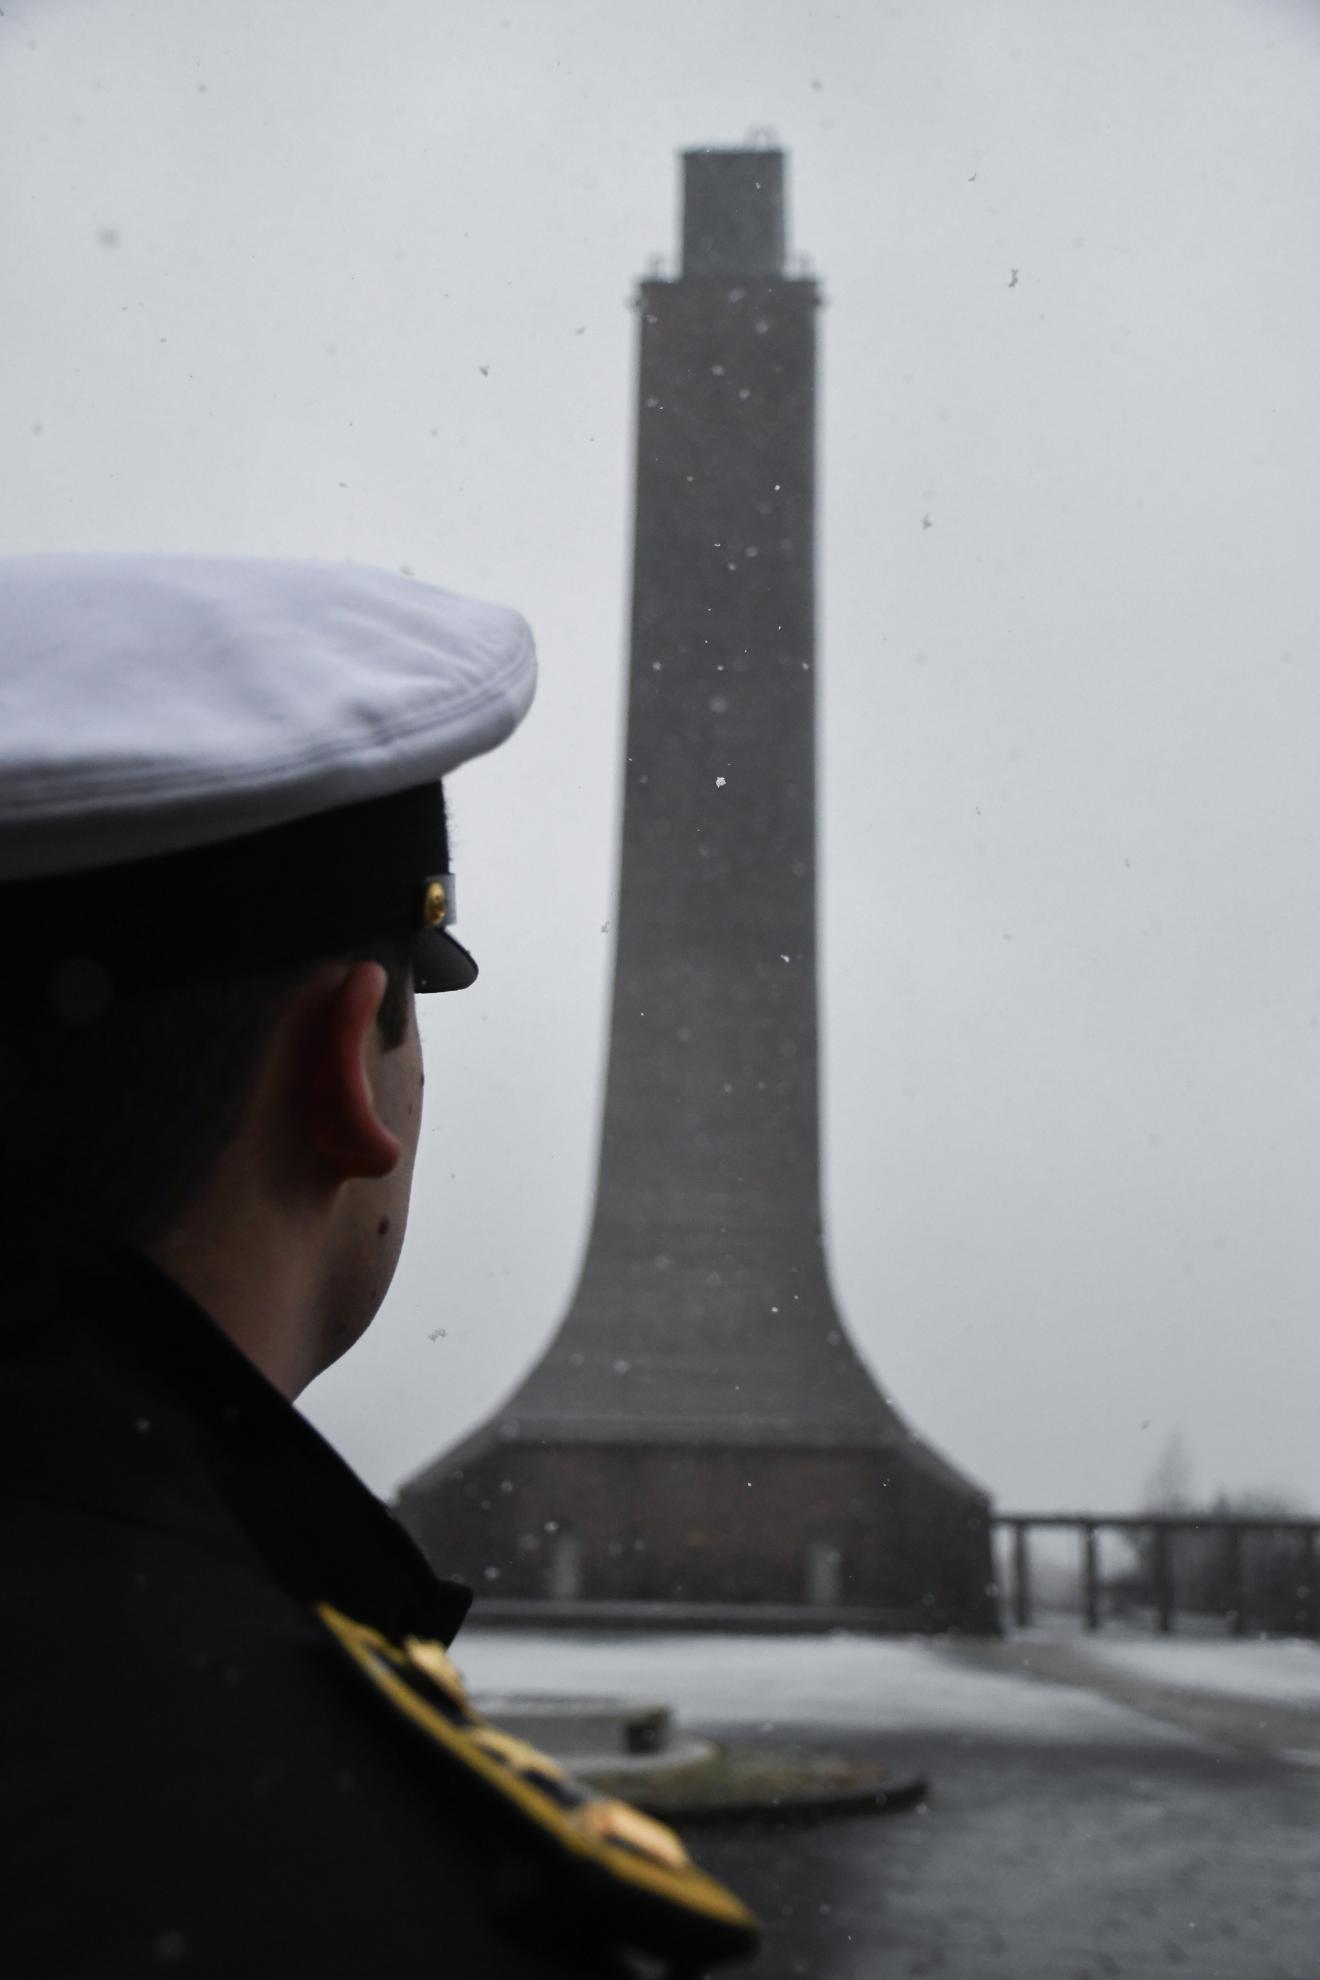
<point>209,1045</point>
<point>208,1119</point>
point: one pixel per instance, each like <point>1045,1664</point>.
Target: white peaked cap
<point>153,704</point>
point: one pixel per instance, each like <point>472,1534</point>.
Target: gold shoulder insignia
<point>645,1889</point>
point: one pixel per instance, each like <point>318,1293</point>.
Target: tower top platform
<point>733,213</point>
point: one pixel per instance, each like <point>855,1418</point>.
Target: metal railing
<point>1160,1532</point>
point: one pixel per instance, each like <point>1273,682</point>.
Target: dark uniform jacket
<point>232,1742</point>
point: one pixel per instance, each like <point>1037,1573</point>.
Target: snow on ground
<point>765,1682</point>
<point>1278,1672</point>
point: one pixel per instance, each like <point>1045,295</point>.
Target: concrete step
<point>576,1730</point>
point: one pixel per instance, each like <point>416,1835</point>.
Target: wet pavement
<point>1146,1859</point>
<point>1100,1809</point>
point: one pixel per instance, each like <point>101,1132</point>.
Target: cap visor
<point>441,963</point>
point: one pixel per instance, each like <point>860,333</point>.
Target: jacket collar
<point>230,1443</point>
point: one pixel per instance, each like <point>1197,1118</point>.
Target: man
<point>234,1742</point>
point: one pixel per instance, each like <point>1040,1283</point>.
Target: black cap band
<point>332,884</point>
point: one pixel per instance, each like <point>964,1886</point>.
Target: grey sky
<point>313,278</point>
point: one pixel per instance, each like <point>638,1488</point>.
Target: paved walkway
<point>1094,1816</point>
<point>1140,1859</point>
<point>1238,1695</point>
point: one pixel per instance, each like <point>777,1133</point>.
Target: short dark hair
<point>110,1121</point>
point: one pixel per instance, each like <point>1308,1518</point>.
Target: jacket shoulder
<point>625,1879</point>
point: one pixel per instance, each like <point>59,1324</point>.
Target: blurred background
<point>316,279</point>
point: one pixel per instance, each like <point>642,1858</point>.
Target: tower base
<point>596,1531</point>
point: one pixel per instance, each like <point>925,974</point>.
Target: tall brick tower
<point>701,1429</point>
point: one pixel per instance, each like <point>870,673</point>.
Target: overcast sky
<point>311,278</point>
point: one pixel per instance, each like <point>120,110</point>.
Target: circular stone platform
<point>634,1749</point>
<point>746,1784</point>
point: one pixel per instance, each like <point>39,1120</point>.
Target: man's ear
<point>336,1061</point>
